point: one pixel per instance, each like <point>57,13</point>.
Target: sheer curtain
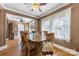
<point>59,24</point>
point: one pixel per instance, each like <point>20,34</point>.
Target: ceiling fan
<point>36,6</point>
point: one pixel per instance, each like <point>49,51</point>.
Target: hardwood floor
<point>13,49</point>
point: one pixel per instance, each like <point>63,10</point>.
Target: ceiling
<point>26,9</point>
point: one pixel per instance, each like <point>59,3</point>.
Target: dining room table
<point>38,44</point>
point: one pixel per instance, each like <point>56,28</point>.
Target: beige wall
<point>2,27</point>
<point>75,26</point>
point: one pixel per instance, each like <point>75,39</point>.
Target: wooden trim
<point>18,14</point>
<point>54,12</point>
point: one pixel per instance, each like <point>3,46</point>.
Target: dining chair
<point>46,34</point>
<point>30,48</point>
<point>47,46</point>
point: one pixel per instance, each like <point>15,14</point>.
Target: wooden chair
<point>46,34</point>
<point>29,47</point>
<point>47,47</point>
<point>51,37</point>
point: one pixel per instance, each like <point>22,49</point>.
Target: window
<point>32,30</point>
<point>45,26</point>
<point>59,24</point>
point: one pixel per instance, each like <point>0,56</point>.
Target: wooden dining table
<point>38,44</point>
<point>37,41</point>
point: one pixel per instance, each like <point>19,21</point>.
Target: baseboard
<point>73,52</point>
<point>3,47</point>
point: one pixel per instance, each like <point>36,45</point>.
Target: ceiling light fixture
<point>36,6</point>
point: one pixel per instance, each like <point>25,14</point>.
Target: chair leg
<point>28,53</point>
<point>46,53</point>
<point>51,53</point>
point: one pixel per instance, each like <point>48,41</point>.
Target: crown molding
<point>51,11</point>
